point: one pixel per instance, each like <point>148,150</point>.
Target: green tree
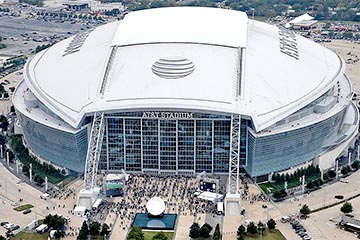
<point>344,170</point>
<point>346,208</point>
<point>355,165</point>
<point>39,179</point>
<point>217,234</point>
<point>271,224</point>
<point>326,177</point>
<point>194,230</point>
<point>136,233</point>
<point>26,169</point>
<point>94,228</point>
<point>205,230</point>
<point>84,231</point>
<point>251,228</point>
<point>305,210</point>
<point>58,234</point>
<point>310,185</point>
<point>332,173</point>
<point>260,227</point>
<point>277,195</point>
<point>241,231</point>
<point>2,140</point>
<point>104,229</point>
<point>4,124</point>
<point>160,236</point>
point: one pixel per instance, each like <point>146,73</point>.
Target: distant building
<point>77,6</point>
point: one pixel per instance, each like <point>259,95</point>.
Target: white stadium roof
<point>208,26</point>
<point>184,58</point>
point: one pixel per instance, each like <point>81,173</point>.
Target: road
<point>11,191</point>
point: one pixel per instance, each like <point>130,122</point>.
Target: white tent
<point>209,196</point>
<point>79,211</point>
<point>304,17</point>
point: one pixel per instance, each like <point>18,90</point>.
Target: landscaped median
<point>267,235</point>
<point>23,207</point>
<point>149,235</point>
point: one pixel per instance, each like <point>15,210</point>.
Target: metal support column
<point>233,204</point>
<point>94,149</point>
<point>234,154</point>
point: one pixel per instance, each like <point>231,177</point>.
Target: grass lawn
<point>149,235</point>
<point>97,238</point>
<point>65,182</point>
<point>274,235</point>
<point>23,207</point>
<point>30,236</point>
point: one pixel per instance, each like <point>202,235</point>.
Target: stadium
<point>185,90</point>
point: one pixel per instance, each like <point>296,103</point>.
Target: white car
<point>344,180</point>
<point>45,196</point>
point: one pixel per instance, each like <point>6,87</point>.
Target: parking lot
<point>23,34</point>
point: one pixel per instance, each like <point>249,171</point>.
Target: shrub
<point>331,173</point>
<point>346,208</point>
<point>251,228</point>
<point>271,224</point>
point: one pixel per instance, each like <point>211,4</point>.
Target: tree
<point>355,165</point>
<point>217,234</point>
<point>326,176</point>
<point>310,185</point>
<point>104,229</point>
<point>241,230</point>
<point>2,140</point>
<point>194,230</point>
<point>346,208</point>
<point>271,224</point>
<point>39,179</point>
<point>277,194</point>
<point>251,228</point>
<point>160,236</point>
<point>260,227</point>
<point>305,210</point>
<point>84,231</point>
<point>344,170</point>
<point>205,230</point>
<point>4,124</point>
<point>94,228</point>
<point>136,233</point>
<point>332,173</point>
<point>26,169</point>
<point>2,237</point>
<point>58,234</point>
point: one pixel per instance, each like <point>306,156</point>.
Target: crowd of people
<point>177,192</point>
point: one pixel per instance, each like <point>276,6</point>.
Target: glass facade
<point>174,142</point>
<point>60,147</point>
<point>277,152</point>
<point>180,143</point>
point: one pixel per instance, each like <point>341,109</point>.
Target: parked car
<point>27,211</point>
<point>13,228</point>
<point>339,197</point>
<point>3,223</point>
